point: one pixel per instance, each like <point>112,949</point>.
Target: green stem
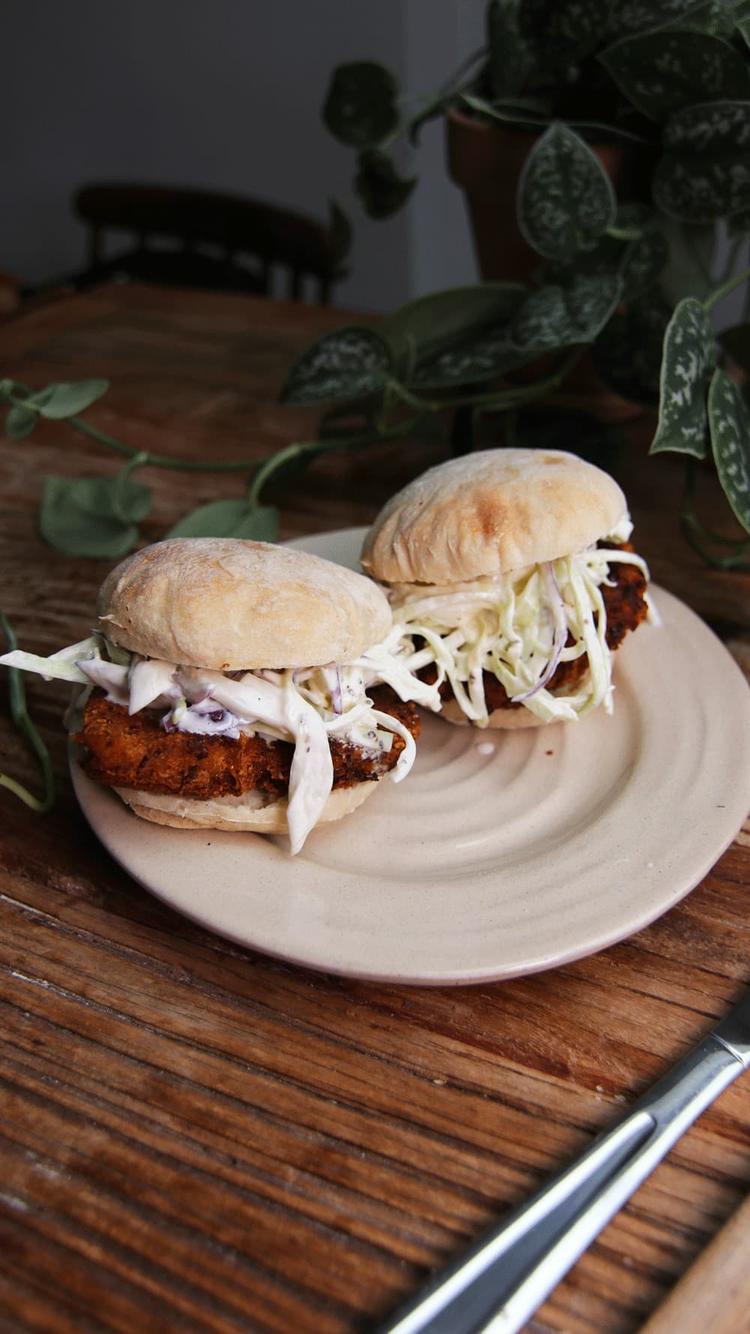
<point>724,288</point>
<point>515,396</point>
<point>520,116</point>
<point>20,717</point>
<point>128,451</point>
<point>312,448</point>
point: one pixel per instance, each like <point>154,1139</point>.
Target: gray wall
<point>224,94</point>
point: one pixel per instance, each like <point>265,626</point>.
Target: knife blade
<point>498,1284</point>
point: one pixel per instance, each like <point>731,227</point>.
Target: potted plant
<point>621,277</point>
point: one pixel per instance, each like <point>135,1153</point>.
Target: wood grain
<point>193,1136</point>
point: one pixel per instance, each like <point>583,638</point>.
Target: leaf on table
<point>229,518</point>
<point>19,423</point>
<point>347,363</point>
<point>92,516</point>
<point>565,198</point>
<point>380,188</point>
<point>67,399</point>
<point>360,108</point>
<point>689,353</point>
<point>558,316</point>
<point>662,71</point>
<point>729,425</point>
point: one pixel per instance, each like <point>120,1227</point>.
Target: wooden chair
<point>209,235</point>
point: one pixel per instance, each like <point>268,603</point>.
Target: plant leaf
<point>627,354</point>
<point>19,423</point>
<point>689,352</point>
<point>67,399</point>
<point>488,353</point>
<point>347,363</point>
<point>423,330</point>
<point>380,188</point>
<point>360,106</point>
<point>229,518</point>
<point>709,127</point>
<point>729,423</point>
<point>509,56</point>
<point>643,262</point>
<point>661,71</point>
<point>92,516</point>
<point>565,198</point>
<point>702,189</point>
<point>561,34</point>
<point>559,316</point>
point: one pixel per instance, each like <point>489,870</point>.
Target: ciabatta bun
<point>229,605</point>
<point>489,513</point>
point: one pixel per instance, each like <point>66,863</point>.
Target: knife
<point>498,1284</point>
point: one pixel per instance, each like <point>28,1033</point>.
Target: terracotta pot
<point>486,161</point>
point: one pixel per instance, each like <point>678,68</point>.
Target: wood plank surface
<point>195,1137</point>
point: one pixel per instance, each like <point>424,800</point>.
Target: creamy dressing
<point>306,706</point>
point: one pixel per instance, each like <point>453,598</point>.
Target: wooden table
<point>195,1137</point>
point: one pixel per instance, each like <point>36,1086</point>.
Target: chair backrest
<point>275,236</point>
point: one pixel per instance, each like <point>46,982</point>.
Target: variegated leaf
<point>702,189</point>
<point>348,363</point>
<point>709,127</point>
<point>489,352</point>
<point>660,72</point>
<point>420,332</point>
<point>561,316</point>
<point>565,197</point>
<point>729,423</point>
<point>689,353</point>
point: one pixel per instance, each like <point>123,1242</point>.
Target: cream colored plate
<point>501,854</point>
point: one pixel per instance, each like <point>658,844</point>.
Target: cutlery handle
<point>507,1274</point>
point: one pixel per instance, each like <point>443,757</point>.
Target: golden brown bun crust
<point>233,814</point>
<point>230,604</point>
<point>491,512</point>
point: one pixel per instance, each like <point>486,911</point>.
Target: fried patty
<point>626,606</point>
<point>125,751</point>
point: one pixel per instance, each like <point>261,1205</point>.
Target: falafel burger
<point>511,574</point>
<point>239,685</point>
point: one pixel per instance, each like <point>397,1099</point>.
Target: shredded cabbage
<point>306,707</point>
<point>516,627</point>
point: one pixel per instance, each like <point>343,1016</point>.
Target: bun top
<point>229,605</point>
<point>491,512</point>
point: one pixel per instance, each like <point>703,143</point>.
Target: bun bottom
<point>507,719</point>
<point>253,812</point>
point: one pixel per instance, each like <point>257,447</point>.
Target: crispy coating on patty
<point>125,751</point>
<point>626,606</point>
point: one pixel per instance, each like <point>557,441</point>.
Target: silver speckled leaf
<point>660,72</point>
<point>709,127</point>
<point>561,316</point>
<point>689,353</point>
<point>729,423</point>
<point>345,364</point>
<point>702,189</point>
<point>565,197</point>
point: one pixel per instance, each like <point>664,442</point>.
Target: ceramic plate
<point>502,853</point>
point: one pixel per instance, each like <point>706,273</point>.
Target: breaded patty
<point>136,752</point>
<point>626,606</point>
